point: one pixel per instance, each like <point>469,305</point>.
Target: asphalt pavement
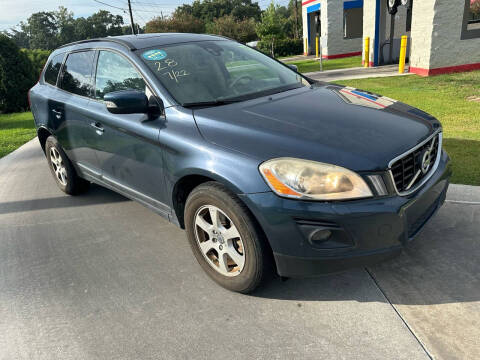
<point>98,276</point>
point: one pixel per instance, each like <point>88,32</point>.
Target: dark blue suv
<point>264,168</point>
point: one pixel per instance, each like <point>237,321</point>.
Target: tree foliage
<point>271,26</point>
<point>209,10</point>
<point>16,76</point>
<point>240,30</point>
<point>184,23</point>
<point>48,30</point>
<point>38,58</point>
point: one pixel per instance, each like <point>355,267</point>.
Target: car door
<point>127,145</point>
<point>71,110</point>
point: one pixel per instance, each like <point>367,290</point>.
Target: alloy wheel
<point>58,166</point>
<point>219,241</point>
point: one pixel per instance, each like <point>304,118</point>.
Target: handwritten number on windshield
<point>174,75</point>
<point>168,63</point>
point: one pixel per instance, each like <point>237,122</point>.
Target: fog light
<point>320,235</point>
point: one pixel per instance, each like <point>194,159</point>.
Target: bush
<point>182,23</point>
<point>284,47</point>
<point>240,30</point>
<point>16,77</point>
<point>38,58</point>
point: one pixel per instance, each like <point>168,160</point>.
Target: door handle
<point>98,127</point>
<point>57,113</point>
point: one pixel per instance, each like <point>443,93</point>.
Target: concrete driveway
<point>101,277</point>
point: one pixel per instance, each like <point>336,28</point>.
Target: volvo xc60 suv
<point>266,170</point>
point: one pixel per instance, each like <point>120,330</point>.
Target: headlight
<point>305,179</point>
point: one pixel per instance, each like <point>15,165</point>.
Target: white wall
<point>331,15</point>
<point>369,8</point>
<point>336,43</point>
<point>447,47</point>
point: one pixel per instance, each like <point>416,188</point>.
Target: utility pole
<point>131,17</point>
<point>296,20</point>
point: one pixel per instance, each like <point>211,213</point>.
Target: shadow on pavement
<point>95,195</point>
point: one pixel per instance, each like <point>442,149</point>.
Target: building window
<point>471,20</point>
<point>353,23</point>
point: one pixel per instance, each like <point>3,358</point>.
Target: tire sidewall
<point>52,142</point>
<point>252,272</point>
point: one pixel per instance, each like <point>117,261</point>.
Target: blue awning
<point>353,4</point>
<point>313,8</point>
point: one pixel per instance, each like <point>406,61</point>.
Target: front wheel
<point>225,239</point>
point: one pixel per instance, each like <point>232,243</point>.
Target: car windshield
<point>217,72</point>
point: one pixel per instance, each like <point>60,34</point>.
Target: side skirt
<point>154,205</point>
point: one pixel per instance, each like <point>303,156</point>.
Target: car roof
<point>141,41</point>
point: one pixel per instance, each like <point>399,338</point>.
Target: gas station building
<point>443,36</point>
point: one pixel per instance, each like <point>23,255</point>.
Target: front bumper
<point>363,232</point>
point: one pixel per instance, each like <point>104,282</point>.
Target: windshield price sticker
<point>154,55</point>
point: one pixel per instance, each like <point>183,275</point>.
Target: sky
<point>14,11</point>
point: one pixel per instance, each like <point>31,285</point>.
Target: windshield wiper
<point>209,103</point>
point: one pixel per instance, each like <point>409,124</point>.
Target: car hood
<point>328,123</point>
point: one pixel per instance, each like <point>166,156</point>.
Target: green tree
<point>38,58</point>
<point>104,23</point>
<point>240,30</point>
<point>209,10</point>
<point>48,30</point>
<point>184,23</point>
<point>16,76</point>
<point>41,29</point>
<point>271,26</point>
<point>65,25</point>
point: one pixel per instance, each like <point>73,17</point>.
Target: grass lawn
<point>332,64</point>
<point>15,130</point>
<point>447,97</point>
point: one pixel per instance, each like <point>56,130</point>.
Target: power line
<point>115,7</point>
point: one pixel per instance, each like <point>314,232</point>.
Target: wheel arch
<point>189,181</point>
<point>43,133</point>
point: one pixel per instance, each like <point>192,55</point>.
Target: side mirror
<point>293,67</point>
<point>126,102</point>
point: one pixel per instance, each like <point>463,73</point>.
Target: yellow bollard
<point>366,60</point>
<point>317,46</point>
<point>306,46</point>
<point>403,54</point>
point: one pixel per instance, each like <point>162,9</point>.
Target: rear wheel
<point>62,169</point>
<point>225,239</point>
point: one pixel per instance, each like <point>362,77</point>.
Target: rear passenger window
<point>115,73</point>
<point>53,68</point>
<point>77,73</point>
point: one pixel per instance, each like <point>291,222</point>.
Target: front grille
<point>407,171</point>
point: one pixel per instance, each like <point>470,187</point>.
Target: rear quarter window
<point>52,69</point>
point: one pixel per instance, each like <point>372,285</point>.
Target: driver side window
<point>115,73</point>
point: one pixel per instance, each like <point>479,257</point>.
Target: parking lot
<point>99,276</point>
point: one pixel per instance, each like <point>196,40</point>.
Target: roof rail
<point>124,43</point>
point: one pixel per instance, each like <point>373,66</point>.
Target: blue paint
<point>154,54</point>
<point>376,47</point>
<point>355,4</point>
<point>365,95</point>
<point>313,8</point>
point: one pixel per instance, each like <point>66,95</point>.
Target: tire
<point>62,169</point>
<point>250,244</point>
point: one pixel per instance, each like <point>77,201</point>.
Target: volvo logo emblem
<point>427,158</point>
